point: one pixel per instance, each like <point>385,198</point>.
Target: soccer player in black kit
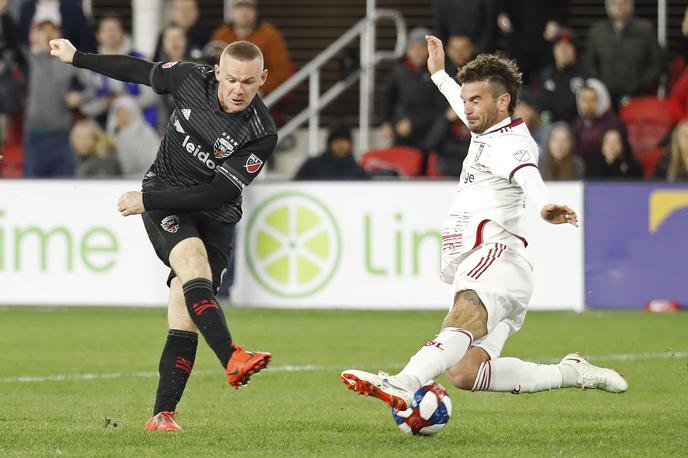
<point>215,143</point>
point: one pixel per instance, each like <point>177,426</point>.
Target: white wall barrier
<point>348,245</point>
<point>377,245</point>
<point>63,243</point>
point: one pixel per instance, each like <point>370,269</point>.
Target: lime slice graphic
<point>292,244</point>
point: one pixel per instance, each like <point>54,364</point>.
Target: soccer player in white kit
<point>483,252</point>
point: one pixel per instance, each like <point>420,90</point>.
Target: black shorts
<point>166,228</point>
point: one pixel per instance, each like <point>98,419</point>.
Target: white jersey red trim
<point>489,205</point>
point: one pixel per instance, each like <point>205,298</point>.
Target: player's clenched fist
<point>131,203</point>
<point>62,49</point>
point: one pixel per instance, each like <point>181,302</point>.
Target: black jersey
<point>201,140</point>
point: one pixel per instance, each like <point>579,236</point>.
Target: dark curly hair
<point>503,75</point>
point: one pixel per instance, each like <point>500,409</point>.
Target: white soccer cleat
<point>593,377</point>
<point>381,386</point>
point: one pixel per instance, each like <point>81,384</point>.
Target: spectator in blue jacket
<point>101,91</point>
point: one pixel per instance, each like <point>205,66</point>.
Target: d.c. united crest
<point>224,146</point>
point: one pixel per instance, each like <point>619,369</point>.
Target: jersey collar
<point>503,126</point>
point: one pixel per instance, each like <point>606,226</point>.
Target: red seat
<point>648,120</point>
<point>432,170</point>
<point>403,160</point>
<point>13,150</point>
<point>650,162</point>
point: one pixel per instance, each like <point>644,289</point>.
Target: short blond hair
<point>243,51</point>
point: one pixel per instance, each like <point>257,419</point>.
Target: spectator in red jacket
<point>245,25</point>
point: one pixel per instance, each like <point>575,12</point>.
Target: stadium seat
<point>404,160</point>
<point>650,162</point>
<point>432,167</point>
<point>13,150</point>
<point>648,120</point>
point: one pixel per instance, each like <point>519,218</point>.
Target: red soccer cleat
<point>243,364</point>
<point>164,421</point>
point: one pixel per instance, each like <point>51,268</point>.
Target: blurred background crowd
<point>603,100</point>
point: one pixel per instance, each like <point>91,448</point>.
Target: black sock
<point>176,362</point>
<point>207,315</point>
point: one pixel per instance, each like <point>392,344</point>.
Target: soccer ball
<point>428,413</point>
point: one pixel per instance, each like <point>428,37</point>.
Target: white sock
<point>517,376</point>
<point>435,357</point>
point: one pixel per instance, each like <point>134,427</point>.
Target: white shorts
<point>503,279</point>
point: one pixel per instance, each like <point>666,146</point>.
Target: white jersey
<point>490,204</point>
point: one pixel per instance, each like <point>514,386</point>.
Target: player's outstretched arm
<point>225,187</point>
<point>205,197</point>
<point>120,67</point>
<point>449,88</point>
<point>528,177</point>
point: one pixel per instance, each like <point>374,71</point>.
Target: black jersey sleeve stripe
<point>233,177</point>
<point>258,120</point>
<point>254,126</point>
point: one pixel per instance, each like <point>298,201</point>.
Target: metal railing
<point>365,28</point>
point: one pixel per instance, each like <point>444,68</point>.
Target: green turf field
<point>65,370</point>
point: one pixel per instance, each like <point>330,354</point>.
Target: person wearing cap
<point>336,163</point>
<point>410,103</point>
<point>246,25</point>
<point>562,79</point>
<point>623,52</point>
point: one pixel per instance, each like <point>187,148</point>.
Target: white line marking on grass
<point>113,375</point>
<point>313,368</point>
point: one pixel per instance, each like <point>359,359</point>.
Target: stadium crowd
<point>596,115</point>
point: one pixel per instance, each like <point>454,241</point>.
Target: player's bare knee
<point>189,260</point>
<point>462,377</point>
<point>464,373</point>
<point>181,322</point>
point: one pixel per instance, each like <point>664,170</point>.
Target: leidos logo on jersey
<point>253,164</point>
<point>195,151</point>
